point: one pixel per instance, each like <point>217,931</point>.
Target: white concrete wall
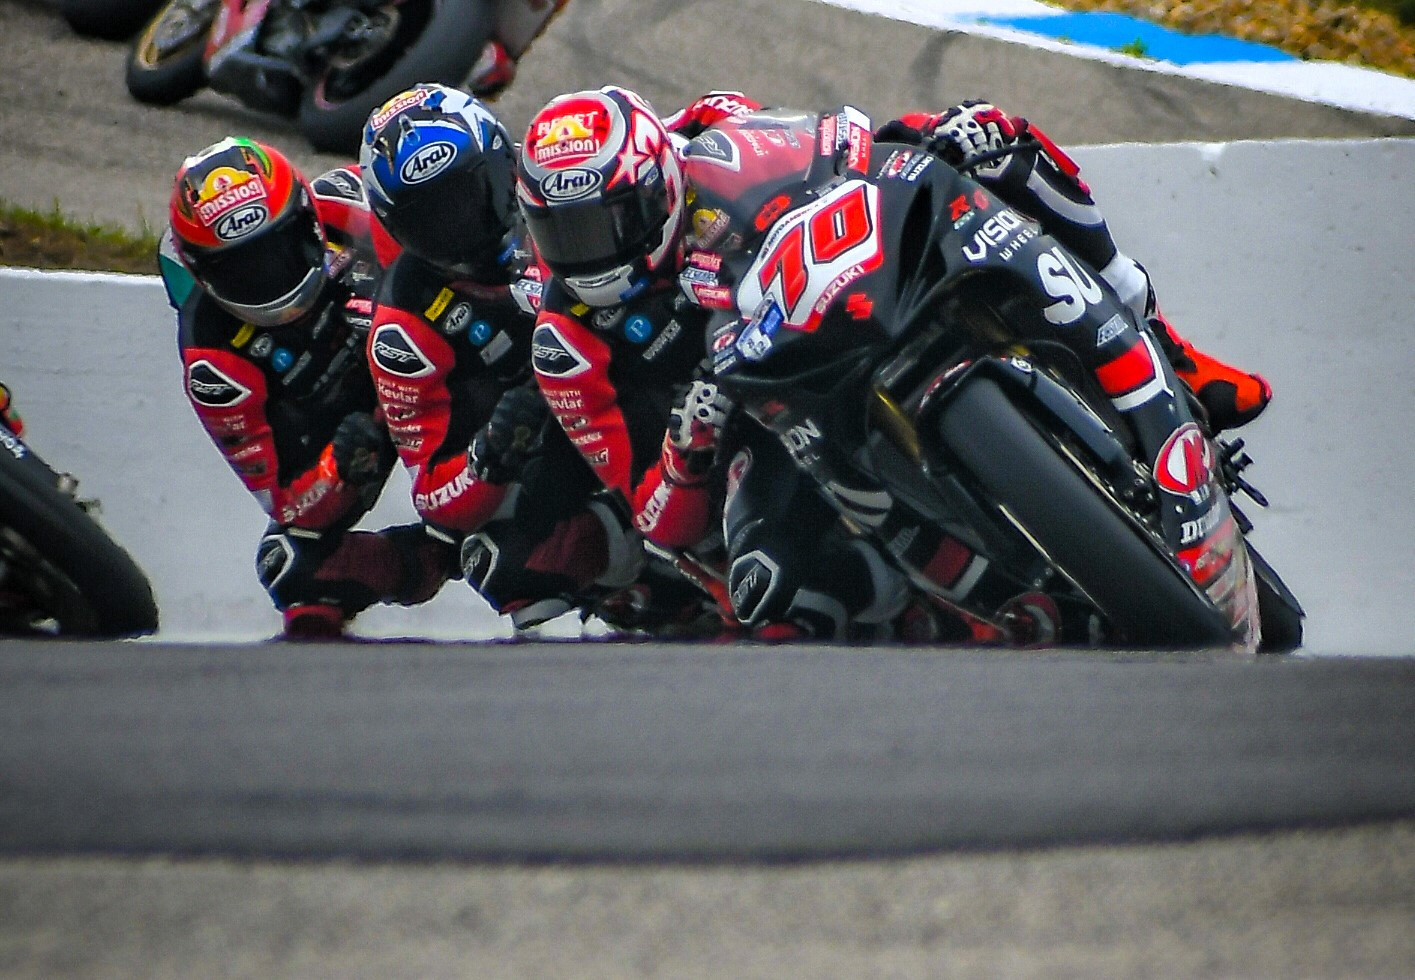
<point>1294,258</point>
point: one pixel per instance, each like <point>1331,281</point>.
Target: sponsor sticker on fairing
<point>1185,463</point>
<point>755,342</point>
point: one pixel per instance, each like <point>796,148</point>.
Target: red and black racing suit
<point>443,350</point>
<point>610,373</point>
<point>271,399</point>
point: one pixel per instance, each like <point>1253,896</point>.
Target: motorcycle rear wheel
<point>1147,601</point>
<point>63,574</point>
<point>164,63</point>
<point>112,20</point>
<point>433,41</point>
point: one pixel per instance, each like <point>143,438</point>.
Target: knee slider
<point>481,560</point>
<point>757,587</point>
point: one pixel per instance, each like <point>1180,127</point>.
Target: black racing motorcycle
<point>327,63</point>
<point>902,332</point>
<point>61,573</point>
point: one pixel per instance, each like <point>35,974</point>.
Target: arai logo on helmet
<point>241,222</point>
<point>571,184</point>
<point>428,162</point>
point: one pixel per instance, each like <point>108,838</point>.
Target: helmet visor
<point>586,237</point>
<point>452,222</point>
<point>264,268</point>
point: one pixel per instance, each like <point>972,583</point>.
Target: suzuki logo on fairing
<point>570,184</point>
<point>428,162</point>
<point>1068,284</point>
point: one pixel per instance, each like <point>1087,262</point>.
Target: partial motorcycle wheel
<point>1278,609</point>
<point>165,61</point>
<point>407,43</point>
<point>112,20</point>
<point>60,571</point>
<point>1148,602</point>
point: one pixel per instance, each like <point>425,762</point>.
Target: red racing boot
<point>9,417</point>
<point>313,622</point>
<point>1230,396</point>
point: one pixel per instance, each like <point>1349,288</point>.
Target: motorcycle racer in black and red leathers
<point>620,352</point>
<point>272,276</point>
<point>609,208</point>
<point>1048,186</point>
<point>450,352</point>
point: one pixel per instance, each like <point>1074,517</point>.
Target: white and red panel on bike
<point>812,255</point>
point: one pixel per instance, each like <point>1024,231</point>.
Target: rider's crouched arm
<point>670,514</point>
<point>316,498</point>
<point>446,493</point>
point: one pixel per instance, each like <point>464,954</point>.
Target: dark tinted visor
<point>451,222</point>
<point>265,267</point>
<point>594,236</point>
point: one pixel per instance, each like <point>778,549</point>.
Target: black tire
<point>443,49</point>
<point>1278,609</point>
<point>63,562</point>
<point>112,20</point>
<point>1148,602</point>
<point>166,78</point>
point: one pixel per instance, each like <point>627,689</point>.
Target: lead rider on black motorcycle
<point>783,592</point>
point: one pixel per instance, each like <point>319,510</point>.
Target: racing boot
<point>314,622</point>
<point>9,417</point>
<point>494,70</point>
<point>1231,397</point>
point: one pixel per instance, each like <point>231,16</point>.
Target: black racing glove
<point>363,450</point>
<point>895,131</point>
<point>499,450</point>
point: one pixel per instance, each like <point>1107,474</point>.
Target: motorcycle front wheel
<point>60,571</point>
<point>405,43</point>
<point>1148,602</point>
<point>164,64</point>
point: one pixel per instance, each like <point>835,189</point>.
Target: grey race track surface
<point>636,752</point>
<point>559,752</point>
